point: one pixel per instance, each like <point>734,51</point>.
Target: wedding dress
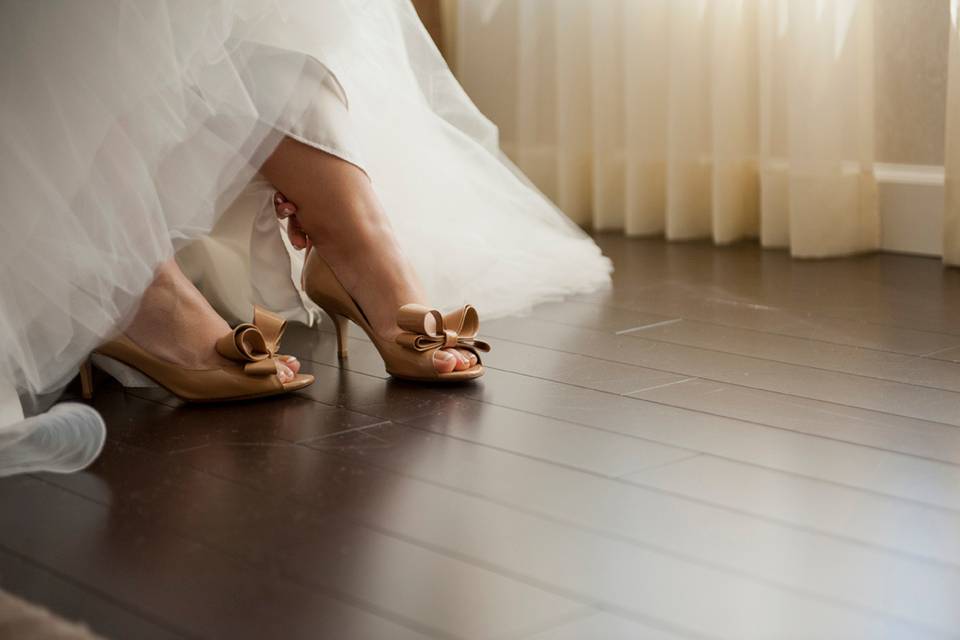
<point>131,130</point>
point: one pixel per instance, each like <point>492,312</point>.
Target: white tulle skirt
<point>131,130</point>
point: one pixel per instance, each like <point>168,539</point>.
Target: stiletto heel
<point>252,346</point>
<point>424,330</point>
<point>86,380</point>
<point>343,334</point>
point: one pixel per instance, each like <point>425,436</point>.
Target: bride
<point>295,155</point>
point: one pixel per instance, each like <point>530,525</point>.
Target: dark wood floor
<point>728,444</point>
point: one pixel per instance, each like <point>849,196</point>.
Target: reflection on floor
<point>728,444</point>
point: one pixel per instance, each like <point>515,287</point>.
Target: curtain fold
<point>725,119</point>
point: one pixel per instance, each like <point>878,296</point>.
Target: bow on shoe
<point>456,329</point>
<point>255,343</point>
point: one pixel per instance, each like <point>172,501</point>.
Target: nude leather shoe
<point>425,330</point>
<point>252,346</point>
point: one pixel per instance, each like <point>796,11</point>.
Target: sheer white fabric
<point>474,228</point>
<point>65,439</point>
<point>951,221</point>
<point>708,118</point>
<point>129,128</point>
<point>126,127</point>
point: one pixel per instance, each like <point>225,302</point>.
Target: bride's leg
<point>176,323</point>
<point>340,213</point>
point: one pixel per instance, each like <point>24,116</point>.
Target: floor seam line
<point>804,366</point>
<point>708,413</point>
<point>546,516</point>
<point>330,592</point>
<point>667,444</point>
<point>701,377</point>
<point>752,330</point>
<point>163,624</point>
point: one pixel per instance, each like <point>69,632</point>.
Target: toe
<point>470,356</point>
<point>284,373</point>
<point>292,363</point>
<point>463,362</point>
<point>444,361</point>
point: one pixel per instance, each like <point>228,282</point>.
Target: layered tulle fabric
<point>130,127</point>
<point>475,229</point>
<point>126,128</point>
<point>66,438</point>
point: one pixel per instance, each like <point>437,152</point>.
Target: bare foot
<point>174,322</point>
<point>341,217</point>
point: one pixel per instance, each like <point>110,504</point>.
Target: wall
<point>911,88</point>
<point>911,80</point>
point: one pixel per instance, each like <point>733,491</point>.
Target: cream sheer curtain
<point>694,118</point>
<point>951,230</point>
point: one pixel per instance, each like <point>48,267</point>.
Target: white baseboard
<point>911,200</point>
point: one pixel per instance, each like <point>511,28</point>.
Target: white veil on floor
<point>129,128</point>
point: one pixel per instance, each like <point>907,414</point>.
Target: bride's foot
<point>175,323</point>
<point>340,216</point>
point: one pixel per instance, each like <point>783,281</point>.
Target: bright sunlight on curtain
<point>696,118</point>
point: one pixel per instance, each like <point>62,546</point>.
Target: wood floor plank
<point>277,474</point>
<point>811,504</point>
<point>882,430</point>
<point>921,438</point>
<point>657,522</point>
<point>902,316</point>
<point>898,434</point>
<point>672,301</point>
<point>950,355</point>
<point>908,527</point>
<point>914,479</point>
<point>854,289</point>
<point>683,429</point>
<point>302,472</point>
<point>423,520</point>
<point>310,545</point>
<point>455,596</point>
<point>525,434</point>
<point>605,626</point>
<point>937,529</point>
<point>932,440</point>
<point>840,388</point>
<point>910,478</point>
<point>727,444</point>
<point>746,265</point>
<point>809,353</point>
<point>75,603</point>
<point>872,428</point>
<point>186,584</point>
<point>182,427</point>
<point>592,373</point>
<point>567,444</point>
<point>562,442</point>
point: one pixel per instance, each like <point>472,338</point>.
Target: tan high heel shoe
<point>253,346</point>
<point>411,356</point>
